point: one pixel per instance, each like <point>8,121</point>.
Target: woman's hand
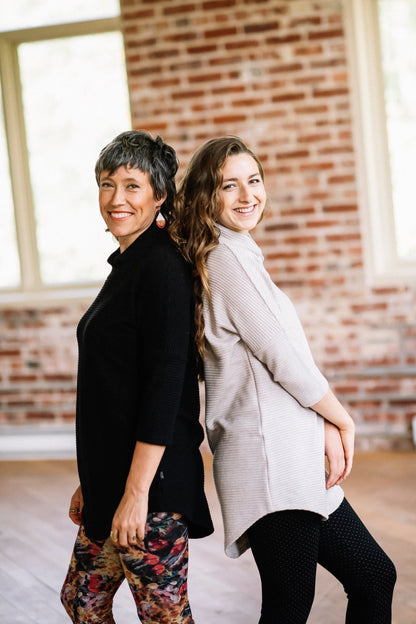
<point>76,505</point>
<point>331,409</point>
<point>347,434</point>
<point>334,452</point>
<point>129,521</point>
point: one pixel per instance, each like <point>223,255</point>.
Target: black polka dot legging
<point>287,545</point>
<point>156,572</point>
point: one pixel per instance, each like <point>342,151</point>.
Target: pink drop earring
<point>160,220</point>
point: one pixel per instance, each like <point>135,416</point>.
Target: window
<point>383,65</point>
<point>65,96</point>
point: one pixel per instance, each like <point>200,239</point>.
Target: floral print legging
<point>156,571</point>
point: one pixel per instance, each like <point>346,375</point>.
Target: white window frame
<point>31,288</point>
<point>383,265</point>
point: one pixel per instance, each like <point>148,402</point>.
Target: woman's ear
<point>160,201</point>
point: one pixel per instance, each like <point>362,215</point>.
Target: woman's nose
<point>245,193</point>
<point>117,197</point>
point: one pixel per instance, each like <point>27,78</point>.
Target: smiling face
<point>127,203</point>
<point>242,193</point>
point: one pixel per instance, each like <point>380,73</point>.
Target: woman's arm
<point>331,409</point>
<point>130,518</point>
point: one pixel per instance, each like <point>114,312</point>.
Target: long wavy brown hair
<point>197,210</point>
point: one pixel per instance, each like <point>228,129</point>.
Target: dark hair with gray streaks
<point>138,149</point>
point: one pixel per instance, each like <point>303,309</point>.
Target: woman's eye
<point>228,186</point>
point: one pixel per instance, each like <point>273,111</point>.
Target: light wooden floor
<point>36,540</point>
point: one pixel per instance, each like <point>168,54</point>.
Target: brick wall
<point>275,73</point>
<point>38,357</point>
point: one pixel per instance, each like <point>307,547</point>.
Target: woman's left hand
<point>129,521</point>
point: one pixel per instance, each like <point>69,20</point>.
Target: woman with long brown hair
<point>270,414</point>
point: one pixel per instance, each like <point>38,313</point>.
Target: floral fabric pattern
<point>156,571</point>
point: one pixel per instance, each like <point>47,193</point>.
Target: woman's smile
<point>118,216</point>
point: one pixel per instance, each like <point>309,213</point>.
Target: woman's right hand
<point>331,409</point>
<point>76,505</point>
<point>347,434</point>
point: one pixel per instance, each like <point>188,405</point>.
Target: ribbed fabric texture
<point>261,380</point>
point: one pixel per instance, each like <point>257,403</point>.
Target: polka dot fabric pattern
<point>288,545</point>
<point>351,554</point>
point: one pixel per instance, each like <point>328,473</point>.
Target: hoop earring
<point>160,220</point>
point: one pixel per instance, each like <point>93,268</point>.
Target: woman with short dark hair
<point>137,423</point>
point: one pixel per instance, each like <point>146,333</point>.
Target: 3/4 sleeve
<point>243,308</point>
<point>165,315</point>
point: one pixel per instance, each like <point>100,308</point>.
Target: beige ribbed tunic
<point>261,380</point>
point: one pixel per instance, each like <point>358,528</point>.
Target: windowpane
<point>75,101</point>
<point>31,13</point>
<point>9,262</point>
<point>398,35</point>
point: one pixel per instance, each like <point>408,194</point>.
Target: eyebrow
<point>252,175</point>
<point>124,179</point>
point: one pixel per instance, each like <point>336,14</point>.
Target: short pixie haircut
<point>138,149</point>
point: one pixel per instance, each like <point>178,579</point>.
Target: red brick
<point>163,53</point>
<point>229,89</point>
<point>210,5</point>
<point>229,119</point>
<point>306,20</point>
<point>341,208</point>
<point>313,138</point>
<point>141,43</point>
<point>272,227</point>
<point>212,78</point>
<point>41,415</point>
<point>308,50</point>
<point>220,32</point>
<point>175,8</point>
<point>300,240</point>
<point>311,110</point>
<point>226,60</point>
<point>288,255</point>
<point>325,34</point>
<point>293,154</point>
<point>242,44</point>
<point>22,378</point>
<point>143,71</point>
<point>138,15</point>
<point>286,67</point>
<point>317,166</point>
<point>330,92</point>
<point>202,49</point>
<point>261,27</point>
<point>297,211</point>
<point>341,179</point>
<point>283,39</point>
<point>186,95</point>
<point>320,224</point>
<point>246,102</point>
<point>288,97</point>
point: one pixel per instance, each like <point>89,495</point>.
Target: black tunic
<point>137,381</point>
